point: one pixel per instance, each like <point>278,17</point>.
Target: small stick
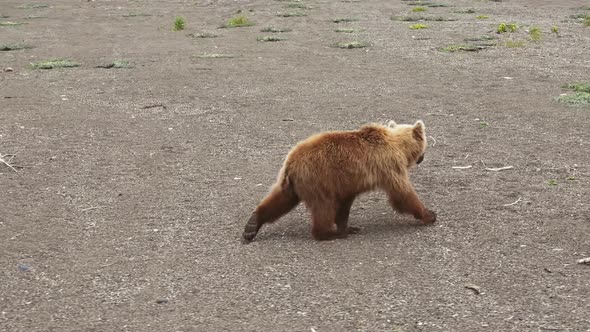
<point>518,200</point>
<point>584,261</point>
<point>433,143</point>
<point>496,169</point>
<point>7,163</point>
<point>462,167</point>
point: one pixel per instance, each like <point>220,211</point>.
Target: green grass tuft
<point>14,47</point>
<point>514,43</point>
<point>238,21</point>
<point>587,21</point>
<point>10,24</point>
<point>347,30</point>
<point>33,6</point>
<point>270,39</point>
<point>291,14</point>
<point>555,29</point>
<point>203,35</point>
<point>552,182</point>
<point>418,26</point>
<point>275,30</point>
<point>352,44</point>
<point>179,23</point>
<point>503,27</point>
<point>482,17</point>
<point>578,99</point>
<point>418,9</point>
<point>55,63</point>
<point>457,48</point>
<point>535,33</point>
<point>117,64</point>
<point>344,19</point>
<point>298,5</point>
<point>578,87</point>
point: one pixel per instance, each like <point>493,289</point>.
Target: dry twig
<point>510,204</point>
<point>434,141</point>
<point>9,161</point>
<point>462,167</point>
<point>496,169</point>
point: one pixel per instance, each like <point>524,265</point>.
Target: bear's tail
<point>281,199</point>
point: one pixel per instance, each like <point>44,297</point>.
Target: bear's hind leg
<point>323,217</point>
<point>276,204</point>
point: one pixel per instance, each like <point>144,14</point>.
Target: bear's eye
<point>420,159</point>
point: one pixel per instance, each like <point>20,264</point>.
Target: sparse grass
<point>483,124</point>
<point>213,56</point>
<point>14,47</point>
<point>555,29</point>
<point>578,98</point>
<point>503,27</point>
<point>480,38</point>
<point>587,21</point>
<point>457,48</point>
<point>179,23</point>
<point>514,43</point>
<point>117,64</point>
<point>439,19</point>
<point>407,18</point>
<point>54,64</point>
<point>552,182</point>
<point>270,39</point>
<point>571,178</point>
<point>535,33</point>
<point>347,30</point>
<point>344,19</point>
<point>482,17</point>
<point>136,15</point>
<point>298,5</point>
<point>10,24</point>
<point>203,35</point>
<point>578,87</point>
<point>512,27</point>
<point>275,30</point>
<point>418,26</point>
<point>418,9</point>
<point>426,4</point>
<point>238,21</point>
<point>291,14</point>
<point>352,44</point>
<point>33,6</point>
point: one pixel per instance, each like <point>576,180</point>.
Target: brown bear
<point>328,170</point>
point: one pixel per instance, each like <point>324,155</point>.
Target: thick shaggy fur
<point>328,170</point>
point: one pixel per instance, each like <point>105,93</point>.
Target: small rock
<point>24,267</point>
<point>161,301</point>
<point>585,261</point>
<point>8,69</point>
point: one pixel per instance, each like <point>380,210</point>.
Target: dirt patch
<point>131,187</point>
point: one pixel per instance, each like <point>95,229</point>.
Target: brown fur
<point>328,170</point>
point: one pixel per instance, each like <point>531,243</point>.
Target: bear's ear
<point>418,130</point>
<point>391,124</point>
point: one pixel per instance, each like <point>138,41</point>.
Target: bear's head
<point>412,138</point>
